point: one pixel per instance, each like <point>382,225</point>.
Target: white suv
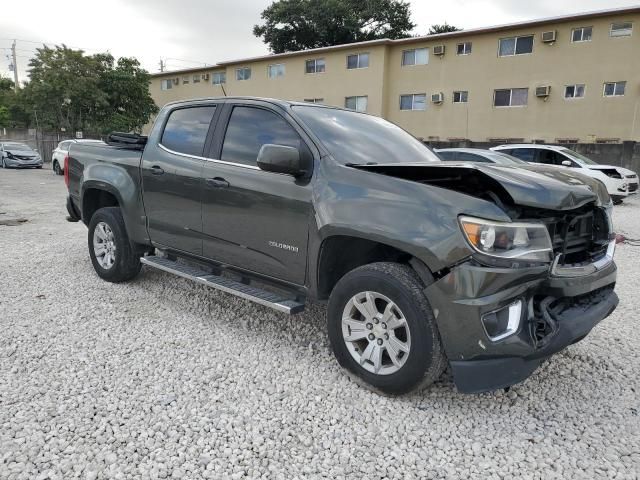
<point>57,158</point>
<point>620,182</point>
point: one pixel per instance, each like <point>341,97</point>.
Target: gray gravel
<point>161,378</point>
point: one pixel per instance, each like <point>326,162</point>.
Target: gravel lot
<point>161,378</point>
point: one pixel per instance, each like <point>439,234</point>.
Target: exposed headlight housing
<point>526,242</point>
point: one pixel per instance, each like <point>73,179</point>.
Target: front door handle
<point>156,170</point>
<point>217,182</point>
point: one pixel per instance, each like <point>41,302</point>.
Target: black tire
<point>39,166</point>
<point>426,360</point>
<point>127,259</point>
<point>56,168</point>
<point>616,200</point>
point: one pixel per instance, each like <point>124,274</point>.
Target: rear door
<point>172,178</point>
<point>252,219</point>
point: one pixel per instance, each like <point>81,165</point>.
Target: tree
<point>444,28</point>
<point>87,92</point>
<point>12,111</point>
<point>292,25</point>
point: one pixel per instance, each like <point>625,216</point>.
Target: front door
<point>172,179</point>
<point>253,219</point>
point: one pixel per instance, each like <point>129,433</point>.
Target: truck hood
<point>549,189</point>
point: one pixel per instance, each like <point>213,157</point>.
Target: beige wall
<point>480,73</point>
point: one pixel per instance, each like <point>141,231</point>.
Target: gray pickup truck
<point>487,269</point>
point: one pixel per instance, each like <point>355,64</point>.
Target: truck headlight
<point>528,242</point>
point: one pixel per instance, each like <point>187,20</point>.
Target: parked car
<point>620,182</point>
<point>479,155</point>
<point>61,151</point>
<point>422,263</point>
<point>19,155</point>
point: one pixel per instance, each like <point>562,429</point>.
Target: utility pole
<point>162,65</point>
<point>15,65</point>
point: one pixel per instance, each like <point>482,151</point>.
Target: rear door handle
<point>217,182</point>
<point>156,170</point>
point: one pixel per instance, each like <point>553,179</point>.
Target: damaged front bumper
<point>555,311</point>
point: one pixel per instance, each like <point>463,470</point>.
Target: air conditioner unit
<point>176,81</point>
<point>438,50</point>
<point>437,97</point>
<point>543,91</point>
<point>205,77</point>
<point>550,36</point>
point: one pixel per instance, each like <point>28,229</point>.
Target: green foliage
<point>292,25</point>
<point>5,116</point>
<point>87,92</point>
<point>444,28</point>
<point>12,109</point>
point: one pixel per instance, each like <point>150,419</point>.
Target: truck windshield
<point>357,138</point>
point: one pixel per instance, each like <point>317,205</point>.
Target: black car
<point>486,268</point>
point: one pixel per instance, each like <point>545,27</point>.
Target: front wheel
<point>112,255</point>
<point>56,168</point>
<point>382,329</point>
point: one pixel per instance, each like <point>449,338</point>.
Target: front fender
<point>418,219</point>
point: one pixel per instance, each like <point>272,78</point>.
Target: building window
<point>358,60</point>
<point>316,65</point>
<point>185,80</point>
<point>515,46</point>
<point>314,100</point>
<point>624,29</point>
<point>415,101</point>
<point>461,97</point>
<point>511,97</point>
<point>166,84</point>
<point>243,73</point>
<point>582,34</point>
<point>219,78</point>
<point>275,71</point>
<point>418,56</point>
<point>359,104</point>
<point>614,89</point>
<point>196,78</point>
<point>464,48</point>
<point>574,91</point>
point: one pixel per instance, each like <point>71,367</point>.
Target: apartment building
<point>565,79</point>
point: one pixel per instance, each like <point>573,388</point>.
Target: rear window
<point>186,129</point>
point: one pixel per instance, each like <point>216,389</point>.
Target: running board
<point>248,292</point>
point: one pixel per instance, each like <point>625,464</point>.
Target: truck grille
<point>580,236</point>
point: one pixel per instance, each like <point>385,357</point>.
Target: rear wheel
<point>112,255</point>
<point>382,329</point>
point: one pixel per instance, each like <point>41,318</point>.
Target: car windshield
<point>357,138</point>
<point>581,159</point>
<point>17,147</point>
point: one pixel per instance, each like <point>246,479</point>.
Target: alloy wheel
<point>104,245</point>
<point>376,333</point>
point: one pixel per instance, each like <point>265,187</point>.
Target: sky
<point>192,33</point>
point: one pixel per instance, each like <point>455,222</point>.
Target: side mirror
<point>567,163</point>
<point>280,159</point>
